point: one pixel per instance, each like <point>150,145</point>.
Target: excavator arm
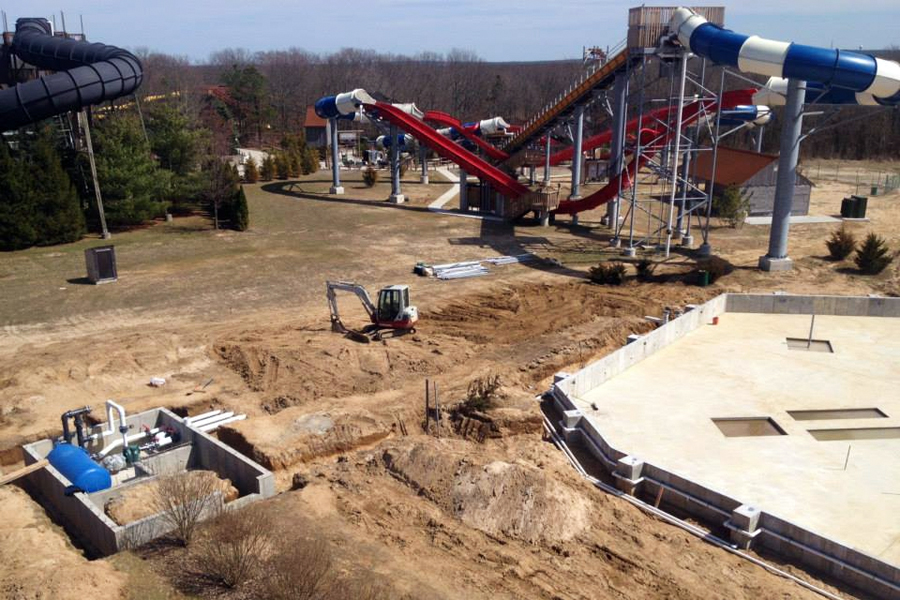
<point>331,287</point>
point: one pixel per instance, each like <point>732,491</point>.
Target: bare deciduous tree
<point>183,500</point>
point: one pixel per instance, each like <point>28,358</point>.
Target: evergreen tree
<point>251,173</point>
<point>282,166</point>
<point>57,210</point>
<point>240,218</point>
<point>130,180</point>
<point>267,172</point>
<point>310,160</point>
<point>221,188</point>
<point>873,256</point>
<point>294,163</point>
<point>17,217</point>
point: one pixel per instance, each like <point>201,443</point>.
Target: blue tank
<point>77,466</point>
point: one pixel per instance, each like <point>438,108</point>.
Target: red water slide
<point>656,139</point>
<point>442,118</point>
<point>503,183</point>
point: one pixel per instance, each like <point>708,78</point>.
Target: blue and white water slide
<point>832,76</point>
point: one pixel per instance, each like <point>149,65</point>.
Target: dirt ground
<point>484,508</point>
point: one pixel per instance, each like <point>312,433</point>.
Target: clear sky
<point>494,29</point>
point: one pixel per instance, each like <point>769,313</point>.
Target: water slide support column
<point>423,158</point>
<point>676,147</point>
<point>463,191</point>
<point>577,154</point>
<point>547,160</point>
<point>396,195</point>
<point>336,187</point>
<point>777,259</point>
<point>617,147</point>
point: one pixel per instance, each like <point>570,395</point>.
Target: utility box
<point>101,264</point>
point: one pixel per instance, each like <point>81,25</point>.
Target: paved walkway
<point>795,220</point>
<point>449,194</point>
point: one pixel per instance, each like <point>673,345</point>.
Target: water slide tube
<point>453,125</point>
<point>346,103</point>
<point>86,74</point>
<point>851,77</point>
<point>384,141</point>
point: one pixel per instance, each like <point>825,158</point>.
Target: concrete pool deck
<point>661,410</point>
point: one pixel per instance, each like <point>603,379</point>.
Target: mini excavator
<point>393,312</point>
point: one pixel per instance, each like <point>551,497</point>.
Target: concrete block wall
<point>83,515</point>
<point>782,537</point>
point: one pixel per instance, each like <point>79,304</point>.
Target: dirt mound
<point>39,563</point>
<point>138,501</point>
<point>499,498</point>
<point>518,313</point>
<point>294,366</point>
<point>292,436</point>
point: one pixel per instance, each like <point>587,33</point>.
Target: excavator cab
<point>394,310</point>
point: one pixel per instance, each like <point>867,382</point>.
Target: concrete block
<point>633,338</point>
<point>570,418</point>
<point>336,190</point>
<point>557,377</point>
<point>746,517</point>
<point>397,199</point>
<point>767,263</point>
<point>629,467</point>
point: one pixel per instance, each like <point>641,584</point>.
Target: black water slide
<point>86,74</point>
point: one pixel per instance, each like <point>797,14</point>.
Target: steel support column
<point>463,191</point>
<point>577,154</point>
<point>617,144</point>
<point>423,158</point>
<point>396,195</point>
<point>777,259</point>
<point>547,160</point>
<point>336,187</point>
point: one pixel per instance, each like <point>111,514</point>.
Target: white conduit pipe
<point>692,529</point>
<point>110,420</point>
<point>131,438</point>
<point>201,422</point>
<point>200,417</point>
<point>210,426</point>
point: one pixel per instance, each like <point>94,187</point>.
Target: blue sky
<point>495,29</point>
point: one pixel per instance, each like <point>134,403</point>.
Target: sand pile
<point>499,498</point>
<point>138,501</point>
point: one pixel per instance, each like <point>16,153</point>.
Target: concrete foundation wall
<point>83,514</point>
<point>782,537</point>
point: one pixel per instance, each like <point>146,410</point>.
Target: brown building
<point>755,174</point>
<point>315,128</point>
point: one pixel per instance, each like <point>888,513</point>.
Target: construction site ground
<point>483,508</point>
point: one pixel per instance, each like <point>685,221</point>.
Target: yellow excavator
<point>392,313</point>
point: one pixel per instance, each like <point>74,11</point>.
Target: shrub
<point>183,500</point>
<point>301,570</point>
<point>294,163</point>
<point>251,172</point>
<point>612,273</point>
<point>310,161</point>
<point>482,393</point>
<point>716,266</point>
<point>234,546</point>
<point>645,268</point>
<point>732,206</point>
<point>267,172</point>
<point>282,166</point>
<point>841,244</point>
<point>873,256</point>
<point>370,176</point>
<point>240,218</point>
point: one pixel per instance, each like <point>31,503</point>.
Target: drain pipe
<point>672,520</point>
<point>111,409</point>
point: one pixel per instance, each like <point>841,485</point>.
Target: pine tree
<point>17,228</point>
<point>251,173</point>
<point>310,160</point>
<point>240,218</point>
<point>267,172</point>
<point>58,215</point>
<point>282,166</point>
<point>130,180</point>
<point>873,256</point>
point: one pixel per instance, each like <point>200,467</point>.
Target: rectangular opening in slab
<point>859,433</point>
<point>836,413</point>
<point>808,345</point>
<point>748,426</point>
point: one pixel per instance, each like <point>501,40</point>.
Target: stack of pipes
<point>211,420</point>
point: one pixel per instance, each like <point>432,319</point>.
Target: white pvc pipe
<point>189,420</point>
<point>213,419</point>
<point>110,429</point>
<point>125,440</point>
<point>211,426</point>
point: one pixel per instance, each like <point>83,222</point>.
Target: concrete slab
<point>795,220</point>
<point>661,410</point>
